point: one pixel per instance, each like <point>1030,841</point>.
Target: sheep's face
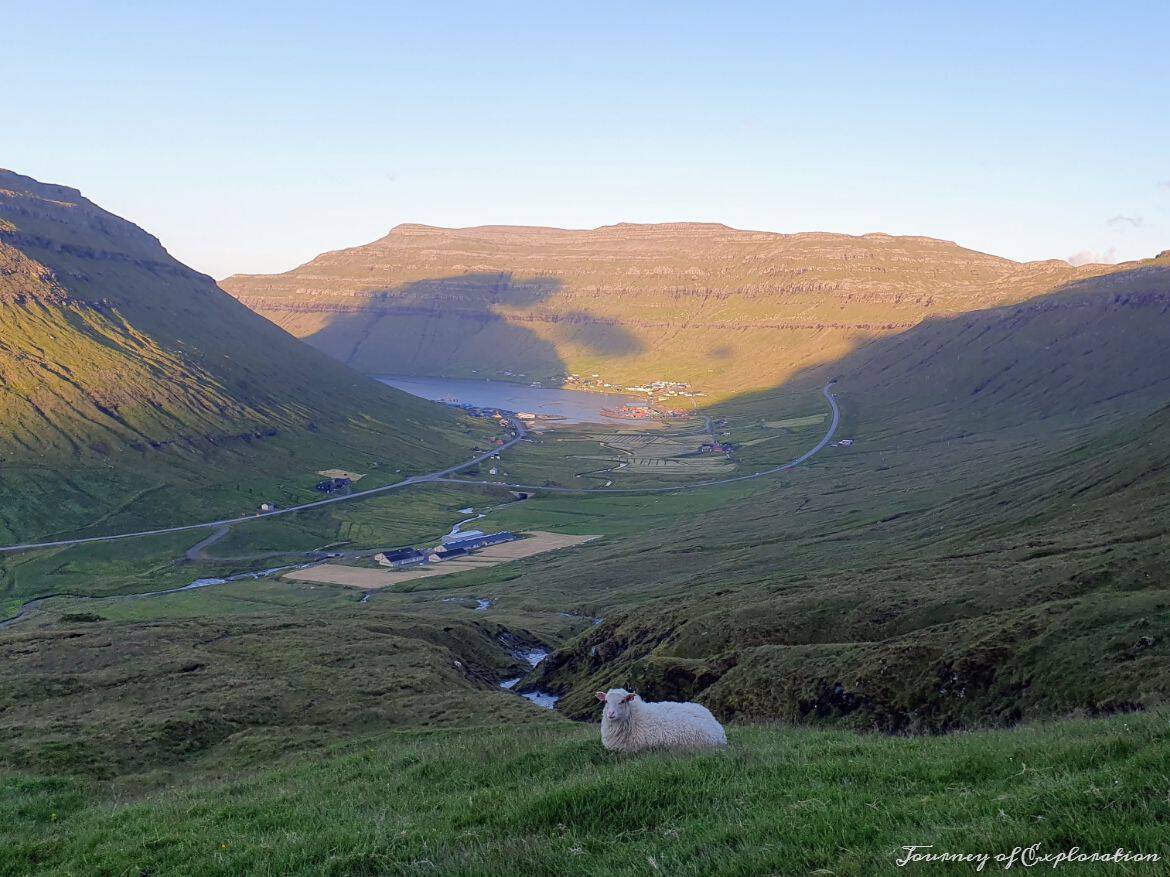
<point>617,703</point>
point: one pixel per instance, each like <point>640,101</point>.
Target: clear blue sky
<point>251,136</point>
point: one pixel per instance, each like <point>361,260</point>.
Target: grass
<point>134,393</point>
<point>159,562</point>
<point>131,688</point>
<point>548,799</point>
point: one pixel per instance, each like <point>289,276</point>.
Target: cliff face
<point>727,310</point>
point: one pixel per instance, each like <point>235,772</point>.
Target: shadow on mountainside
<point>464,324</point>
<point>1094,342</point>
<point>995,546</point>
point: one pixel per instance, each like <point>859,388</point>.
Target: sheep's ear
<point>629,697</point>
<point>601,696</point>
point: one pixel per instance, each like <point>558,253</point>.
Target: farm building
<point>715,448</point>
<point>401,557</point>
<point>472,541</point>
<point>447,553</point>
<point>464,534</point>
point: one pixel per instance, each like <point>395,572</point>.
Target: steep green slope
<point>994,546</point>
<point>727,310</point>
<point>125,374</point>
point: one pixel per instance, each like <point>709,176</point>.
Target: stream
<point>538,697</point>
<point>531,656</point>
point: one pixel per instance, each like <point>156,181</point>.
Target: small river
<point>574,406</point>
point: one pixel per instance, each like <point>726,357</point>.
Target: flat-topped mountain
<point>123,371</point>
<point>725,309</point>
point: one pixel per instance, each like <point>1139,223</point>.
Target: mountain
<point>125,373</point>
<point>993,547</point>
<point>724,309</point>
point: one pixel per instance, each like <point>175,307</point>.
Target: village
<point>658,390</point>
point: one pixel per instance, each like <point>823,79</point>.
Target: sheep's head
<point>617,703</point>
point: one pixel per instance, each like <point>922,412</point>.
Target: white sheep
<point>629,724</point>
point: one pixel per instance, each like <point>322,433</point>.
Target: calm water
<point>573,405</point>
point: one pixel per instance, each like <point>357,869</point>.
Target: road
<point>441,476</point>
<point>195,552</point>
<point>710,428</point>
<point>694,485</point>
<point>521,432</point>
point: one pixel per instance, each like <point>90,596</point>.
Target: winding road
<point>441,476</point>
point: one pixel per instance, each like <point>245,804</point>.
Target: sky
<point>250,137</point>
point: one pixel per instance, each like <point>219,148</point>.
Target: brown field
<point>342,473</point>
<point>535,542</point>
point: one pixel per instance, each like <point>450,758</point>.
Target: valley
<point>949,540</point>
<point>584,440</point>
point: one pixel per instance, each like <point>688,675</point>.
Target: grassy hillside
<point>991,550</point>
<point>728,310</point>
<point>987,551</point>
<point>547,800</point>
<point>132,386</point>
<point>993,547</point>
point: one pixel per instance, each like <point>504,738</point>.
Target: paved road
<point>195,552</point>
<point>441,476</point>
<point>357,494</point>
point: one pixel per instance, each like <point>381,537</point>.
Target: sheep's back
<point>670,723</point>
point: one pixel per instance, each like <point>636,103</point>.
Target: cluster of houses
<point>454,545</point>
<point>641,412</point>
<point>631,412</point>
<point>497,414</point>
<point>331,485</point>
<point>593,381</point>
<point>662,390</point>
<point>715,448</point>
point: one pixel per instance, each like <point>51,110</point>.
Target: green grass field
<point>546,799</point>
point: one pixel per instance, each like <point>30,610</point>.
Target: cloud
<point>1164,185</point>
<point>1091,257</point>
<point>1122,221</point>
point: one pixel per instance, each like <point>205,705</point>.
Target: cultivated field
<point>535,542</point>
<point>342,473</point>
<point>661,454</point>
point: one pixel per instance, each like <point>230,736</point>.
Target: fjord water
<point>575,406</point>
